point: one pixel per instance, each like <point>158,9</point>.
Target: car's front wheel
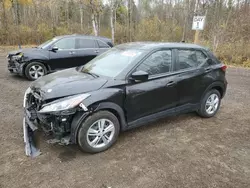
<point>98,132</point>
<point>35,70</point>
<point>210,104</point>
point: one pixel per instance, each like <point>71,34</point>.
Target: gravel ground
<point>182,151</point>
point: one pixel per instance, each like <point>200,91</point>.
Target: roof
<point>156,45</point>
<point>86,36</point>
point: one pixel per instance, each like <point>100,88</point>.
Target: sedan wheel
<point>36,71</point>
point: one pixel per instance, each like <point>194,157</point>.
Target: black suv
<point>128,86</point>
<point>56,54</point>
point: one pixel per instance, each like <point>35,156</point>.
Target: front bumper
<point>15,67</point>
<point>57,126</point>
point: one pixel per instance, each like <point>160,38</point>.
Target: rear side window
<point>110,44</point>
<point>85,43</point>
<point>102,44</point>
<point>190,58</point>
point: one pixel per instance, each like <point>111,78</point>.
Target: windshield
<point>112,62</point>
<point>47,43</point>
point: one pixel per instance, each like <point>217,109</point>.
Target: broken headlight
<point>64,104</point>
<point>17,57</point>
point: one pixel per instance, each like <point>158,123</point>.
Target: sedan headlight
<point>64,104</point>
<point>17,57</point>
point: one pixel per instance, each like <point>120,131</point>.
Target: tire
<point>84,135</point>
<point>38,68</point>
<point>204,106</point>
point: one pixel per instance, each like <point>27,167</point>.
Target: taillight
<point>224,68</point>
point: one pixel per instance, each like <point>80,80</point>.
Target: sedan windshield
<point>112,62</point>
<point>47,43</point>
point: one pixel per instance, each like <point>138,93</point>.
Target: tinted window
<point>112,62</point>
<point>67,43</point>
<point>102,44</point>
<point>190,58</point>
<point>86,43</point>
<point>157,63</point>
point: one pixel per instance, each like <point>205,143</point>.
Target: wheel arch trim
<point>213,86</point>
<point>38,61</point>
<point>81,116</point>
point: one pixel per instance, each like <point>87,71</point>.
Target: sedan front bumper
<point>15,67</point>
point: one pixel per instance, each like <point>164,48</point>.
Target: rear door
<point>87,49</point>
<point>103,47</point>
<point>65,56</point>
<point>193,75</point>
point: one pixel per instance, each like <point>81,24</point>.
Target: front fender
<point>36,56</point>
<point>107,99</point>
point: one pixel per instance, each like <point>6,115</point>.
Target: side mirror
<point>210,61</point>
<point>139,76</point>
<point>54,49</point>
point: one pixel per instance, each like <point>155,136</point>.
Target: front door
<point>156,94</point>
<point>65,56</point>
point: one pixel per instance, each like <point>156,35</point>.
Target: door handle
<point>171,83</point>
<point>96,51</point>
<point>71,53</point>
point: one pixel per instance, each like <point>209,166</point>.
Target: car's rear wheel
<point>35,70</point>
<point>210,104</point>
<point>98,132</point>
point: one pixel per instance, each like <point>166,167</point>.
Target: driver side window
<point>65,44</point>
<point>157,63</point>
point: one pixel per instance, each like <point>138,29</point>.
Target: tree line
<point>227,29</point>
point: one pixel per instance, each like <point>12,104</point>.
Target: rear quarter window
<point>102,44</point>
<point>213,57</point>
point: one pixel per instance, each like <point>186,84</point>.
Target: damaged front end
<point>16,63</point>
<point>51,117</point>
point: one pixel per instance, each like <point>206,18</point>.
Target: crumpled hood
<point>25,50</point>
<point>65,83</point>
<point>31,52</point>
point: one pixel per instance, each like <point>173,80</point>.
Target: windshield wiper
<point>92,74</point>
